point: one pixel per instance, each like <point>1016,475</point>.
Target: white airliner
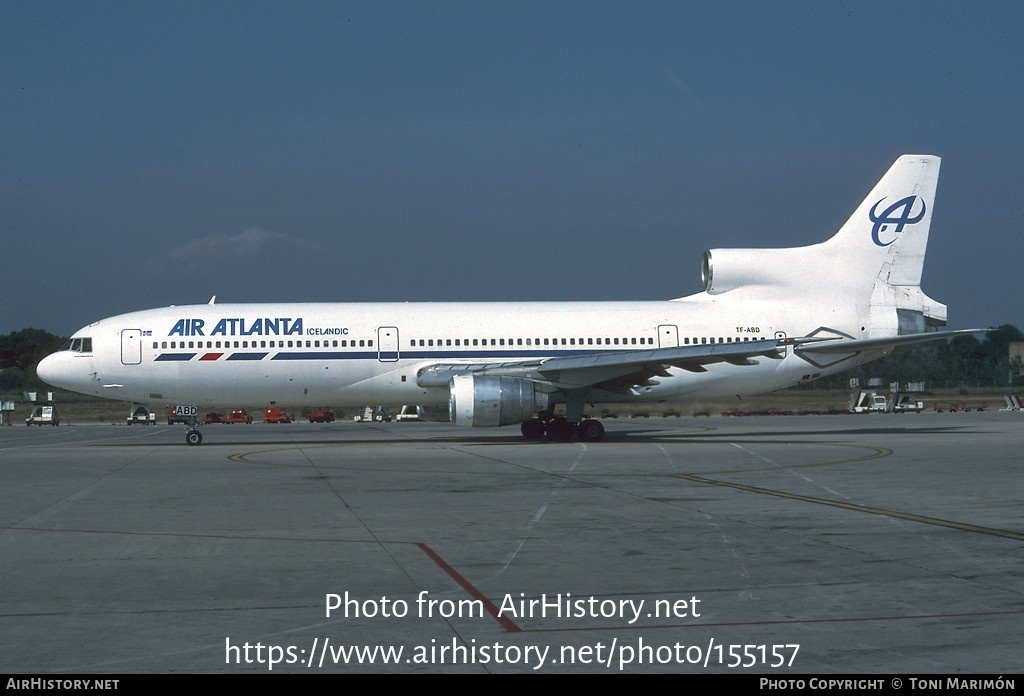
<point>767,319</point>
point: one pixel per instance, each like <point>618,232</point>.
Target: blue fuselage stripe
<point>404,355</point>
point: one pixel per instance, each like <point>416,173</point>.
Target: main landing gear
<point>561,429</point>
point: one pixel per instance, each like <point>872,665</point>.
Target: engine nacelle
<point>723,270</point>
<point>487,402</point>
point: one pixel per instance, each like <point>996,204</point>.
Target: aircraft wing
<point>613,371</point>
<point>623,370</point>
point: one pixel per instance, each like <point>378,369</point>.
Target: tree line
<point>20,352</point>
<point>964,361</point>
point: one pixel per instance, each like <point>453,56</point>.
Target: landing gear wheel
<point>546,416</point>
<point>533,429</point>
<point>590,430</point>
<point>193,438</point>
<point>560,430</point>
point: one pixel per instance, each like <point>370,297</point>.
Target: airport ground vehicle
<point>238,415</point>
<point>411,413</point>
<point>141,414</point>
<point>321,414</point>
<point>868,402</point>
<point>904,403</point>
<point>377,414</point>
<point>43,415</point>
<point>213,417</point>
<point>275,414</point>
<point>175,418</point>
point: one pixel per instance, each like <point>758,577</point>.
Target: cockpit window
<point>78,345</point>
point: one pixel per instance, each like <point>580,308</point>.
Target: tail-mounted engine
<point>723,270</point>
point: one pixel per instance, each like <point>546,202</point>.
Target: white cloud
<point>217,246</point>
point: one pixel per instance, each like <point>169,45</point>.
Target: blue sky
<point>159,153</point>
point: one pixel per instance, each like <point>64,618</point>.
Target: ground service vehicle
<point>238,415</point>
<point>43,415</point>
<point>275,414</point>
<point>411,413</point>
<point>902,403</point>
<point>174,417</point>
<point>321,415</point>
<point>213,417</point>
<point>141,414</point>
<point>868,402</point>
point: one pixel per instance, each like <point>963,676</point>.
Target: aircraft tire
<point>193,438</point>
<point>560,430</point>
<point>533,429</point>
<point>590,430</point>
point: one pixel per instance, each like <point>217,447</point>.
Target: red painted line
<point>465,584</point>
<point>210,356</point>
<point>509,625</point>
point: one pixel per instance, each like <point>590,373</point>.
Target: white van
<point>43,415</point>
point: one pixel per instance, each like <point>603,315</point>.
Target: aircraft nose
<point>49,370</point>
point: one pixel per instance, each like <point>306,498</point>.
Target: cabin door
<point>668,336</point>
<point>131,347</point>
<point>387,344</point>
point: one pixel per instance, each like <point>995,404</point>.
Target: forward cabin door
<point>387,344</point>
<point>131,347</point>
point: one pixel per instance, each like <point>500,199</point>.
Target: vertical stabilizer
<point>886,237</point>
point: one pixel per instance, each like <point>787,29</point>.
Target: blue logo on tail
<point>887,218</point>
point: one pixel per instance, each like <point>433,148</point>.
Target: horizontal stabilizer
<point>832,345</point>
